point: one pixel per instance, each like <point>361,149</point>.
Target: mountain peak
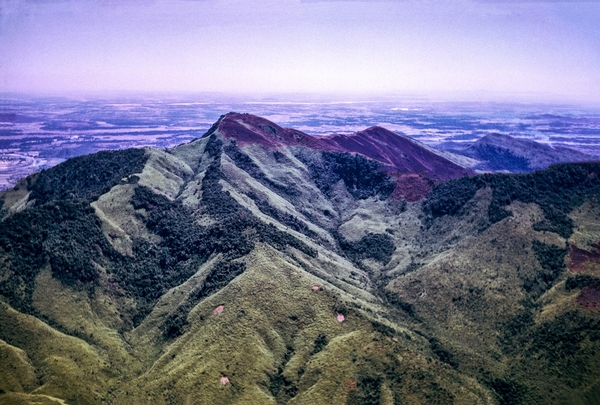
<point>248,128</point>
<point>398,153</point>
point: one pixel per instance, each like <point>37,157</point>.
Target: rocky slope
<point>259,265</point>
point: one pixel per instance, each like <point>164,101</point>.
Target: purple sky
<point>535,50</point>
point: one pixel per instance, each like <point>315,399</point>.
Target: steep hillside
<point>499,152</point>
<point>415,167</point>
<point>259,265</point>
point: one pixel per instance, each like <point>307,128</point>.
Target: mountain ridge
<point>500,152</point>
<point>239,268</point>
<point>377,143</point>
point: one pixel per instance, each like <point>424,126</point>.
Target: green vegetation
<point>68,235</point>
<point>552,260</point>
<point>557,190</point>
<point>65,234</point>
<point>567,342</point>
<point>368,391</point>
<point>393,299</point>
<point>221,275</point>
<point>282,388</point>
<point>62,229</point>
<point>214,146</point>
<point>320,342</point>
<point>580,281</point>
<point>507,392</point>
<point>561,340</point>
<point>363,177</point>
<point>444,355</point>
<point>245,163</point>
<point>461,314</point>
<point>518,325</point>
<point>286,219</point>
<point>376,246</point>
<point>449,197</point>
<point>236,224</point>
<point>185,245</point>
<point>86,177</point>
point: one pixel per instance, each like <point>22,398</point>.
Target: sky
<point>462,49</point>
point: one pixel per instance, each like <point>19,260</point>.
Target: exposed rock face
<point>263,265</point>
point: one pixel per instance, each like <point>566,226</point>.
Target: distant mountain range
<point>261,265</point>
<point>498,152</point>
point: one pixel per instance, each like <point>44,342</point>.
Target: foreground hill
<point>498,152</point>
<point>259,265</point>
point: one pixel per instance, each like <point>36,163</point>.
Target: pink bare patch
<point>218,310</point>
<point>341,317</point>
<point>350,385</point>
<point>224,380</point>
<point>316,287</point>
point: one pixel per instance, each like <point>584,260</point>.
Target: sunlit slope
<point>252,266</point>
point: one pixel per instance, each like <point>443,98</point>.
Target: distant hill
<point>498,152</point>
<point>261,265</point>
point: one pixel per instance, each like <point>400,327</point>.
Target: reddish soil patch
<point>397,151</point>
<point>578,258</point>
<point>232,127</point>
<point>349,385</point>
<point>410,187</point>
<point>590,296</point>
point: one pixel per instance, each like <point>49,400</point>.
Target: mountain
<point>498,152</point>
<point>415,168</point>
<point>259,265</point>
<point>397,153</point>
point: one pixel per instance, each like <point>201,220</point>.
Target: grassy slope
<point>502,320</point>
<point>264,342</point>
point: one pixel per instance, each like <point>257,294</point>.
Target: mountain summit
<point>261,265</point>
<point>414,167</point>
<point>396,152</point>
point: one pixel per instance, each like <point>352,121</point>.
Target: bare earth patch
<point>583,261</point>
<point>590,296</point>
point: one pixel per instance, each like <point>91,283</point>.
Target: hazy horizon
<point>535,51</point>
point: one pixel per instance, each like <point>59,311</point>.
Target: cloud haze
<point>461,47</point>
